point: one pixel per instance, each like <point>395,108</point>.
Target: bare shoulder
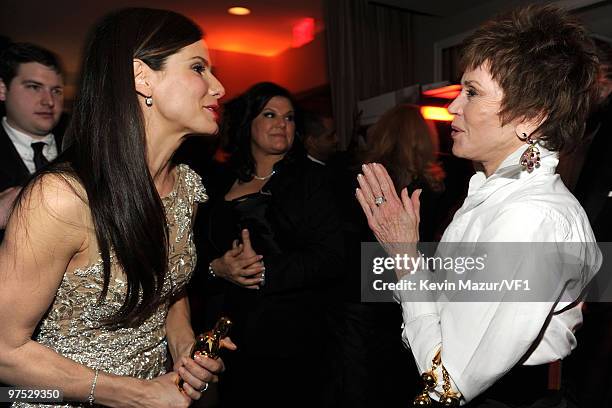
<point>59,194</point>
<point>46,230</point>
<point>54,206</point>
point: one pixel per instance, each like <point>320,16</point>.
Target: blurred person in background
<point>406,144</point>
<point>319,137</point>
<point>370,360</point>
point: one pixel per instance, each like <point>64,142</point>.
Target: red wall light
<point>303,32</point>
<point>446,92</point>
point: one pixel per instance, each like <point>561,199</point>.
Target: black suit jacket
<point>13,171</point>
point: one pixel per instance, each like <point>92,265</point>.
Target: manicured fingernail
<point>360,176</point>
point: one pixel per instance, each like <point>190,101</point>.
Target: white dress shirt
<point>482,341</point>
<point>23,145</point>
<point>314,159</point>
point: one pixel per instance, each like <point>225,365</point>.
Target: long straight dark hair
<point>106,150</point>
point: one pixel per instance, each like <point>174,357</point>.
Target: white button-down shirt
<point>23,144</point>
<point>312,158</point>
<point>482,341</point>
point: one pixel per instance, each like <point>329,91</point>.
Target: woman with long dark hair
<point>99,247</point>
<point>280,205</point>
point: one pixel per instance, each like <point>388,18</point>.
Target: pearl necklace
<point>264,178</point>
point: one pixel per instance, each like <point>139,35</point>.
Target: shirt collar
<point>315,159</point>
<point>510,168</point>
<point>21,138</point>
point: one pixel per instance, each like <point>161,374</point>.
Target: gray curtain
<point>369,52</point>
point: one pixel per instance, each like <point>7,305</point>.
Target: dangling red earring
<point>530,159</point>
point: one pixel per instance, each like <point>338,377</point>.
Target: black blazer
<point>13,172</point>
<point>280,317</point>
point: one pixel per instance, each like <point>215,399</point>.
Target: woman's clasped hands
<point>241,265</point>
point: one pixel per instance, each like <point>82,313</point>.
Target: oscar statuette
<point>209,344</point>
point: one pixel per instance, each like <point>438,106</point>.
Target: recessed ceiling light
<point>239,11</point>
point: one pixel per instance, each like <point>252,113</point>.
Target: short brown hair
<point>16,54</point>
<point>545,62</point>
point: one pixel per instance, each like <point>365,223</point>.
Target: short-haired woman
<point>527,89</point>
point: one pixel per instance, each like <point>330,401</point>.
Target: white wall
<point>429,30</point>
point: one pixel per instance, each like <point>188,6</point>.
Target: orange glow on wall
<point>233,40</point>
<point>446,92</point>
<point>239,11</point>
<point>436,113</point>
<point>240,34</point>
<point>238,71</point>
<point>303,32</point>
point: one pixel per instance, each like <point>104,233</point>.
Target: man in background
<point>319,137</point>
<point>32,94</point>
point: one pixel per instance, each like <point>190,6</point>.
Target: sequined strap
<point>193,183</point>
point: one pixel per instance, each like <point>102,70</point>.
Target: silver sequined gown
<point>72,326</point>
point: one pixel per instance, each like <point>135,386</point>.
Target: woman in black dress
<point>271,201</point>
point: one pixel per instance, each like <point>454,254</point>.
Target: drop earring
<point>530,159</point>
<point>148,99</point>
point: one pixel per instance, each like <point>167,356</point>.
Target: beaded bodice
<point>73,325</point>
